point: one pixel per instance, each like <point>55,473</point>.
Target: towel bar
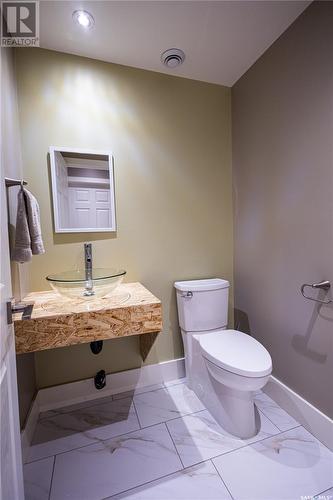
<point>323,285</point>
<point>14,182</point>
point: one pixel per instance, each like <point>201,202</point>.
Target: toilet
<point>223,367</point>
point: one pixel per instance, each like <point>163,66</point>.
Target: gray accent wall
<point>283,202</point>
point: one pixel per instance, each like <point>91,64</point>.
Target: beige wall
<point>283,173</point>
<point>172,147</point>
<point>11,157</point>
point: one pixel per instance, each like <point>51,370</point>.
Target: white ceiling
<point>221,39</point>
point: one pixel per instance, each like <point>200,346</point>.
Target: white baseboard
<point>29,428</point>
<point>315,421</point>
<point>84,390</point>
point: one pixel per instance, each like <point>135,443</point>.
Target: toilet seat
<point>236,352</point>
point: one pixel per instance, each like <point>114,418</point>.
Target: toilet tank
<point>202,304</point>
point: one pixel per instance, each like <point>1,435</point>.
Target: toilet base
<point>233,409</point>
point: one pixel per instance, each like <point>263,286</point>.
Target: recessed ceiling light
<point>83,18</point>
<point>172,58</point>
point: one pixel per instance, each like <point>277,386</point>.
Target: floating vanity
<point>57,321</point>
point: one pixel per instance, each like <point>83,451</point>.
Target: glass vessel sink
<point>75,284</point>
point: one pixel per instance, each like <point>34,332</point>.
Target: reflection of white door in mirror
<point>83,190</point>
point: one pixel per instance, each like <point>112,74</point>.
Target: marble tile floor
<point>160,443</point>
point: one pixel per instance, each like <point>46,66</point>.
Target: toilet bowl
<point>236,359</point>
<point>238,365</point>
<point>223,367</point>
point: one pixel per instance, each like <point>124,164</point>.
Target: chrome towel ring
<point>323,285</point>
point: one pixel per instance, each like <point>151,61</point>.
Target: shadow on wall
<point>63,238</point>
<point>241,321</point>
<point>173,327</point>
<point>301,342</point>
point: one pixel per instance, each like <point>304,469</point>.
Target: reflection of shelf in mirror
<point>75,181</point>
<point>86,163</point>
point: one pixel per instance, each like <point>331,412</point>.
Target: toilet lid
<point>236,352</point>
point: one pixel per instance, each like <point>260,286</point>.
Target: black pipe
<point>100,379</point>
<point>96,346</point>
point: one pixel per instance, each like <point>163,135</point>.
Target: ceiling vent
<point>173,58</point>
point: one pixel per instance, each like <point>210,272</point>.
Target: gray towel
<point>28,237</point>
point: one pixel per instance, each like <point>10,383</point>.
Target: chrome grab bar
<point>323,285</point>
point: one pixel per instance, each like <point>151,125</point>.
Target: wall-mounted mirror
<point>83,190</point>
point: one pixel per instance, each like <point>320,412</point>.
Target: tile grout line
<point>49,495</point>
<point>136,413</point>
<point>112,396</point>
<point>221,478</point>
<point>165,422</point>
<point>253,443</point>
<point>199,463</point>
<point>163,386</point>
<point>294,427</point>
<point>180,471</point>
<point>167,428</point>
<point>263,411</point>
<point>271,421</point>
<point>175,383</point>
<point>182,415</point>
<point>241,447</point>
<point>77,409</point>
<point>139,394</point>
<point>96,441</point>
<point>173,473</point>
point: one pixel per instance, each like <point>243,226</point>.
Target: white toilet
<point>223,367</point>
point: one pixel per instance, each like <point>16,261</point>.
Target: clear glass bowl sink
<point>73,284</point>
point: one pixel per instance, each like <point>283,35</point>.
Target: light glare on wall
<point>83,18</point>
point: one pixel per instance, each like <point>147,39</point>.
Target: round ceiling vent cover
<point>172,58</point>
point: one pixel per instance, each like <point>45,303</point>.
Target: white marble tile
<point>198,437</point>
<point>37,479</point>
<point>113,466</point>
<point>288,466</point>
<point>73,407</point>
<point>195,483</point>
<point>274,412</point>
<point>158,406</point>
<point>82,427</point>
<point>138,390</point>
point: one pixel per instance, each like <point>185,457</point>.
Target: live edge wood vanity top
<point>58,322</point>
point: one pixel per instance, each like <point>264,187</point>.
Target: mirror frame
<point>56,218</point>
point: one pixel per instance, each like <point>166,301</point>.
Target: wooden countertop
<point>57,321</point>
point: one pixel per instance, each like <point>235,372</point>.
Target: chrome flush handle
<point>187,295</point>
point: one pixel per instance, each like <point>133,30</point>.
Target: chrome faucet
<point>89,288</point>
